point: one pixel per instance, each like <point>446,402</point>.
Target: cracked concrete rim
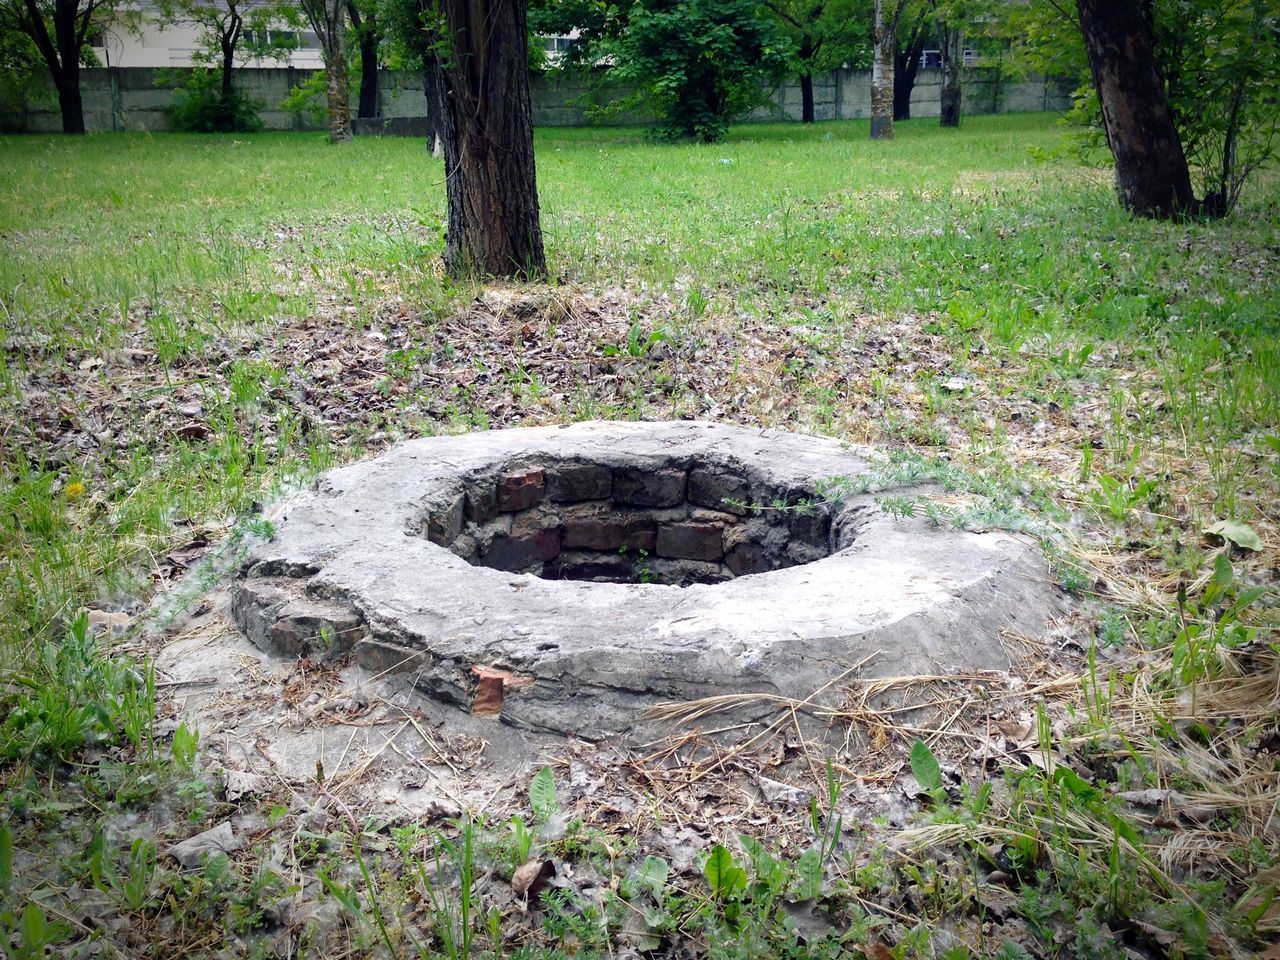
<point>350,567</point>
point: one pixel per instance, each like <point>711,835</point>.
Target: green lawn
<point>191,322</point>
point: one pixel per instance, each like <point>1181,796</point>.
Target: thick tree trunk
<point>1152,178</point>
<point>949,114</point>
<point>68,74</point>
<point>71,108</point>
<point>335,70</point>
<point>491,184</point>
<point>806,98</point>
<point>886,44</point>
<point>906,66</point>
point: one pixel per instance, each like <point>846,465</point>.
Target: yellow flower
<point>75,490</point>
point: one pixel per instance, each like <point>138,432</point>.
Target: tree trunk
<point>72,109</point>
<point>1152,178</point>
<point>433,87</point>
<point>806,98</point>
<point>490,179</point>
<point>366,28</point>
<point>335,70</point>
<point>68,75</point>
<point>949,114</point>
<point>369,105</point>
<point>886,43</point>
<point>228,64</point>
<point>906,67</point>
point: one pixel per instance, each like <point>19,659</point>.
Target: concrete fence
<point>133,98</point>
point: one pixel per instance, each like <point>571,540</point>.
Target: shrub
<point>309,98</point>
<point>201,107</point>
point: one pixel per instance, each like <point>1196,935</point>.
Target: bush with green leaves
<point>20,69</point>
<point>201,107</point>
<point>697,64</point>
<point>307,98</point>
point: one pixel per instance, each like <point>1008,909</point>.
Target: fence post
<point>117,107</point>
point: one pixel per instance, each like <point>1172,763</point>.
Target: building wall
<point>134,98</point>
<point>143,41</point>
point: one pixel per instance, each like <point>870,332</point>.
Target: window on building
<point>272,39</point>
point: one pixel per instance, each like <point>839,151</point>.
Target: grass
<point>192,323</point>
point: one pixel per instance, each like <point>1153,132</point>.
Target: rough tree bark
<point>885,37</point>
<point>433,87</point>
<point>906,67</point>
<point>491,184</point>
<point>949,113</point>
<point>366,28</point>
<point>328,18</point>
<point>334,40</point>
<point>1152,178</point>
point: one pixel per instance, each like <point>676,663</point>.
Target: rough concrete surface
<point>381,558</point>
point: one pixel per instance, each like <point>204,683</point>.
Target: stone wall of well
<point>139,98</point>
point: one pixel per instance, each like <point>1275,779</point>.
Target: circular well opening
<point>675,521</point>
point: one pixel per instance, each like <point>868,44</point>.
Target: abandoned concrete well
<point>569,578</point>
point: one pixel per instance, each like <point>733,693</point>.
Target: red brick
<point>520,491</point>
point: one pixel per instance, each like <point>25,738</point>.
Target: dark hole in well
<point>670,521</point>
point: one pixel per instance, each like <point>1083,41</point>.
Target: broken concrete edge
<point>599,659</point>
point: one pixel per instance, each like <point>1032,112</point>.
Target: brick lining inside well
<point>676,521</point>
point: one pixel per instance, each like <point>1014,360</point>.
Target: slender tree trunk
<point>949,114</point>
<point>369,105</point>
<point>806,98</point>
<point>228,64</point>
<point>1152,178</point>
<point>335,70</point>
<point>366,28</point>
<point>805,54</point>
<point>885,37</point>
<point>906,67</point>
<point>491,183</point>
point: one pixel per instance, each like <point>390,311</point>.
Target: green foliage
<point>30,934</point>
<point>924,767</point>
<point>823,34</point>
<point>6,863</point>
<point>697,64</point>
<point>20,69</point>
<point>307,98</point>
<point>725,877</point>
<point>77,697</point>
<point>201,107</point>
<point>542,795</point>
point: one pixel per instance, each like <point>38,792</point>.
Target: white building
<point>138,37</point>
